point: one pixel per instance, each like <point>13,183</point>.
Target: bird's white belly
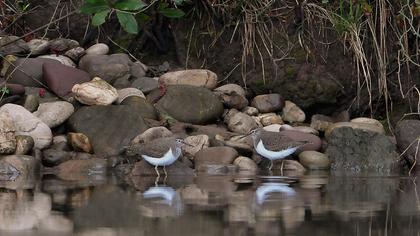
<point>167,159</point>
<point>272,155</point>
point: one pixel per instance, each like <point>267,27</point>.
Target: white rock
<point>28,124</point>
<point>7,134</point>
<point>366,120</point>
<point>292,113</point>
<point>62,59</point>
<point>129,92</point>
<point>240,122</point>
<point>95,92</point>
<point>54,113</point>
<point>251,111</point>
<point>98,49</point>
<point>228,88</point>
<point>38,46</point>
<point>273,128</point>
<point>196,77</point>
<point>195,144</point>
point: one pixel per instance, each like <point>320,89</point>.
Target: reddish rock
<point>215,155</point>
<point>30,71</point>
<point>315,144</point>
<point>61,79</point>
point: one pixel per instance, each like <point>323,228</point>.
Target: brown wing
<point>274,141</point>
<point>155,148</point>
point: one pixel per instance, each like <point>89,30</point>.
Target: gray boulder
<point>407,133</point>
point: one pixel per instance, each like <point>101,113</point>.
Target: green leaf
<point>130,5</point>
<point>91,8</point>
<point>172,12</point>
<point>99,18</point>
<point>128,22</point>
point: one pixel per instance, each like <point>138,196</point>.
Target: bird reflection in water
<point>162,201</point>
<point>263,192</point>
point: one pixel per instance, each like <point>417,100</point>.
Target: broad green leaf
<point>172,12</point>
<point>142,17</point>
<point>130,5</point>
<point>90,8</point>
<point>128,22</point>
<point>99,18</point>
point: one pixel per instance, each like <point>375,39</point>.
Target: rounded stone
<point>321,122</point>
<point>245,163</point>
<point>31,102</point>
<point>151,134</point>
<point>129,92</point>
<point>229,88</point>
<point>54,113</point>
<point>240,122</point>
<point>62,59</point>
<point>38,46</point>
<point>52,157</point>
<point>98,49</point>
<point>215,155</point>
<point>194,77</point>
<point>268,102</point>
<point>7,134</point>
<point>24,144</point>
<point>75,53</point>
<point>251,111</point>
<point>292,113</point>
<point>355,125</point>
<point>314,160</point>
<point>195,144</point>
<point>145,84</point>
<point>269,119</point>
<point>79,142</point>
<point>273,127</point>
<point>365,120</point>
<point>95,92</point>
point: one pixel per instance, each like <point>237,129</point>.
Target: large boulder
<point>361,151</point>
<point>141,106</point>
<point>107,67</point>
<point>407,133</point>
<point>188,104</point>
<point>29,72</point>
<point>28,124</point>
<point>109,128</point>
<point>195,77</point>
<point>61,79</point>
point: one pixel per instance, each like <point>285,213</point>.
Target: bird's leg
<point>157,172</point>
<point>164,170</point>
<point>281,168</point>
<point>271,165</point>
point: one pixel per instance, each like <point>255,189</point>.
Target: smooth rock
<point>188,104</point>
<point>315,142</point>
<point>215,155</point>
<point>194,77</point>
<point>195,144</point>
<point>63,44</point>
<point>17,47</point>
<point>273,128</point>
<point>245,163</point>
<point>145,84</point>
<point>268,102</point>
<point>62,59</point>
<point>321,122</point>
<point>95,92</point>
<point>107,67</point>
<point>98,49</point>
<point>365,120</point>
<point>407,133</point>
<point>289,165</point>
<point>314,160</point>
<point>141,106</point>
<point>29,73</point>
<point>129,92</point>
<point>292,113</point>
<point>151,134</point>
<point>53,157</point>
<point>75,53</point>
<point>142,168</point>
<point>54,113</point>
<point>28,124</point>
<point>303,129</point>
<point>7,134</point>
<point>355,125</point>
<point>109,128</point>
<point>79,142</point>
<point>61,79</point>
<point>361,151</point>
<point>138,70</point>
<point>251,111</point>
<point>229,88</point>
<point>38,46</point>
<point>270,119</point>
<point>24,144</point>
<point>239,122</point>
<point>31,103</point>
<point>243,148</point>
<point>232,99</point>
